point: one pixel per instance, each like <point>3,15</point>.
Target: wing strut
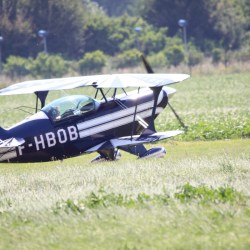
<point>36,103</point>
<point>41,95</point>
<point>96,93</point>
<point>151,127</point>
<point>114,94</point>
<point>103,95</point>
<point>178,117</point>
<point>124,91</point>
<point>133,124</point>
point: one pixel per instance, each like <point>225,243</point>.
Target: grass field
<point>130,204</point>
<point>197,197</point>
<point>213,107</point>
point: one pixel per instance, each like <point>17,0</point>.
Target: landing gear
<point>143,153</point>
<point>114,155</point>
<point>158,152</point>
<point>107,155</point>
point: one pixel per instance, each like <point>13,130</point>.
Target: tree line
<point>78,28</point>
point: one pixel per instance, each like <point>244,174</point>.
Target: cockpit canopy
<point>69,106</point>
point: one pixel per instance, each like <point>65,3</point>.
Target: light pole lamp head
<point>43,33</point>
<point>138,29</point>
<point>182,23</point>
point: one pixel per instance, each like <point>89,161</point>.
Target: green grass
<point>213,107</point>
<point>197,197</point>
<point>131,204</point>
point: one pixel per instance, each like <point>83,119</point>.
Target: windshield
<point>70,106</point>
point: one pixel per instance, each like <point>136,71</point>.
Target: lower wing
<point>130,141</point>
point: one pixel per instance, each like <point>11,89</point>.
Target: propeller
<point>150,71</point>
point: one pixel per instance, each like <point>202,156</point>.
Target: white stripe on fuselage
<point>116,123</point>
<point>114,116</point>
<point>118,114</point>
<point>119,118</point>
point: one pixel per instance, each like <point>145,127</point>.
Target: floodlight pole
<point>185,38</point>
<point>138,31</point>
<point>43,34</point>
<point>1,41</point>
<point>183,24</point>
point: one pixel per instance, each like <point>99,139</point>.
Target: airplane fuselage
<point>47,139</point>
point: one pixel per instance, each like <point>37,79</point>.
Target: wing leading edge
<point>98,81</point>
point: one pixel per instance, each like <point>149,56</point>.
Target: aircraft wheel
<point>106,157</point>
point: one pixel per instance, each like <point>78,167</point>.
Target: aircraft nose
<point>169,91</point>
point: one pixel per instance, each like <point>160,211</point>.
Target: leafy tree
<point>175,55</point>
<point>76,27</point>
<point>242,55</point>
<point>149,39</point>
<point>218,20</point>
<point>246,11</point>
<point>15,30</point>
<point>127,59</point>
<point>166,13</point>
<point>158,60</point>
<point>16,66</point>
<point>139,7</point>
<point>48,66</point>
<point>113,8</point>
<point>228,22</point>
<point>171,41</point>
<point>64,21</point>
<point>118,34</point>
<point>217,55</point>
<point>153,41</point>
<point>97,36</point>
<point>195,56</point>
<point>44,66</point>
<point>92,62</point>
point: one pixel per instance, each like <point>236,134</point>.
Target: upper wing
<point>99,81</point>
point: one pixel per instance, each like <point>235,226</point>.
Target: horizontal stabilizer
<point>8,148</point>
<point>135,140</point>
<point>11,142</point>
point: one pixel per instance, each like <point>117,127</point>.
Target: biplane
<point>80,124</point>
